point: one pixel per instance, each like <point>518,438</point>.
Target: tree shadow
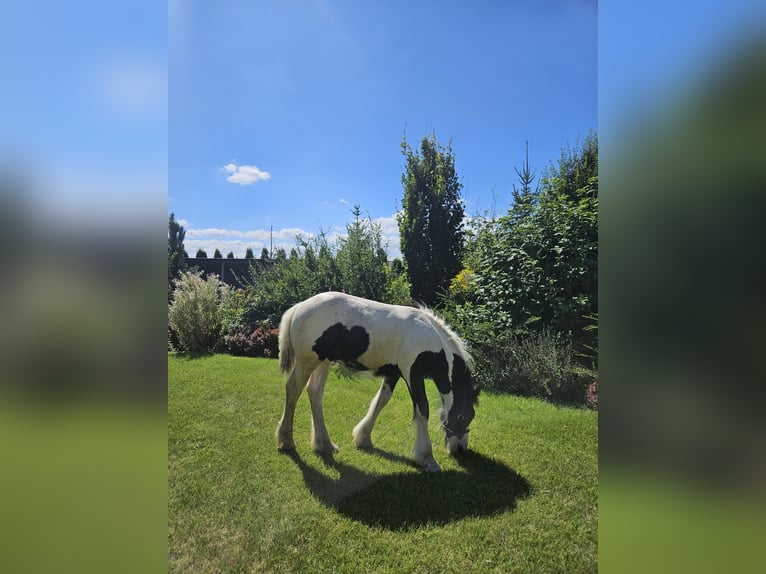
<point>405,500</point>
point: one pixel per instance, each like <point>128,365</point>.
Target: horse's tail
<point>286,350</point>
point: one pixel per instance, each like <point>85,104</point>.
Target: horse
<point>393,342</point>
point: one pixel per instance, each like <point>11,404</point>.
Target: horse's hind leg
<point>293,388</point>
<point>363,431</point>
<point>320,439</point>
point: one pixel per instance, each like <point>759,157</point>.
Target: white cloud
<point>344,201</point>
<point>260,234</point>
<point>245,174</point>
<point>388,225</point>
<point>238,240</point>
<point>389,234</point>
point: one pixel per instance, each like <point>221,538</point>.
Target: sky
<point>84,110</point>
<point>287,114</point>
<point>121,113</point>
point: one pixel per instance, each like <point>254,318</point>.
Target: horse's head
<point>458,416</point>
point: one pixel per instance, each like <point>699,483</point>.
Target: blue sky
<point>317,95</point>
<point>84,110</point>
<point>288,113</point>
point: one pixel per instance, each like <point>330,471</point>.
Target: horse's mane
<point>459,346</point>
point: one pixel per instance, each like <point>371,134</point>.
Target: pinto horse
<point>392,341</point>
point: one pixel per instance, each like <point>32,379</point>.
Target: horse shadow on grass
<point>405,500</point>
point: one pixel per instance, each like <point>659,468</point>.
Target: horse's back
<point>386,332</point>
<point>344,307</point>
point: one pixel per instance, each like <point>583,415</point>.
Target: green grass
<point>524,499</point>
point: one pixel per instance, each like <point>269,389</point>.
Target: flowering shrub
<point>461,286</point>
<point>260,342</point>
<point>266,341</point>
<point>237,341</point>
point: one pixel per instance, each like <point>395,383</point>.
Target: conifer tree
<point>431,220</point>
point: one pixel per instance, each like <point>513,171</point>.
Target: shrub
<point>197,312</point>
<point>237,341</point>
<point>398,289</point>
<point>537,363</point>
<point>266,341</point>
<point>260,342</point>
<point>173,343</point>
<point>539,261</point>
<point>543,365</point>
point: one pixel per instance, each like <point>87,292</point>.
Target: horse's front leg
<point>363,431</point>
<point>320,439</point>
<point>423,452</point>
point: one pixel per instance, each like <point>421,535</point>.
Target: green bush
<point>199,311</point>
<point>539,261</point>
<point>398,288</point>
<point>544,364</point>
<point>526,299</point>
<point>533,363</point>
<point>527,361</point>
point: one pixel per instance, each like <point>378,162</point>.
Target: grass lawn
<point>524,499</point>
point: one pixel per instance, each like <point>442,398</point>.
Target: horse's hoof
<point>363,442</point>
<point>431,465</point>
<point>285,441</point>
<point>330,448</point>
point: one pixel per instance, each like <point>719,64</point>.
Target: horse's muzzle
<point>455,444</point>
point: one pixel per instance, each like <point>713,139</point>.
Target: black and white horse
<point>390,340</point>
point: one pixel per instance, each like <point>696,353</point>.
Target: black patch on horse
<point>388,372</point>
<point>462,381</point>
<point>434,366</point>
<point>338,343</point>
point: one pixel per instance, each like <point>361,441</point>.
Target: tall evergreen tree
<point>431,220</point>
<point>217,254</point>
<point>524,198</point>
